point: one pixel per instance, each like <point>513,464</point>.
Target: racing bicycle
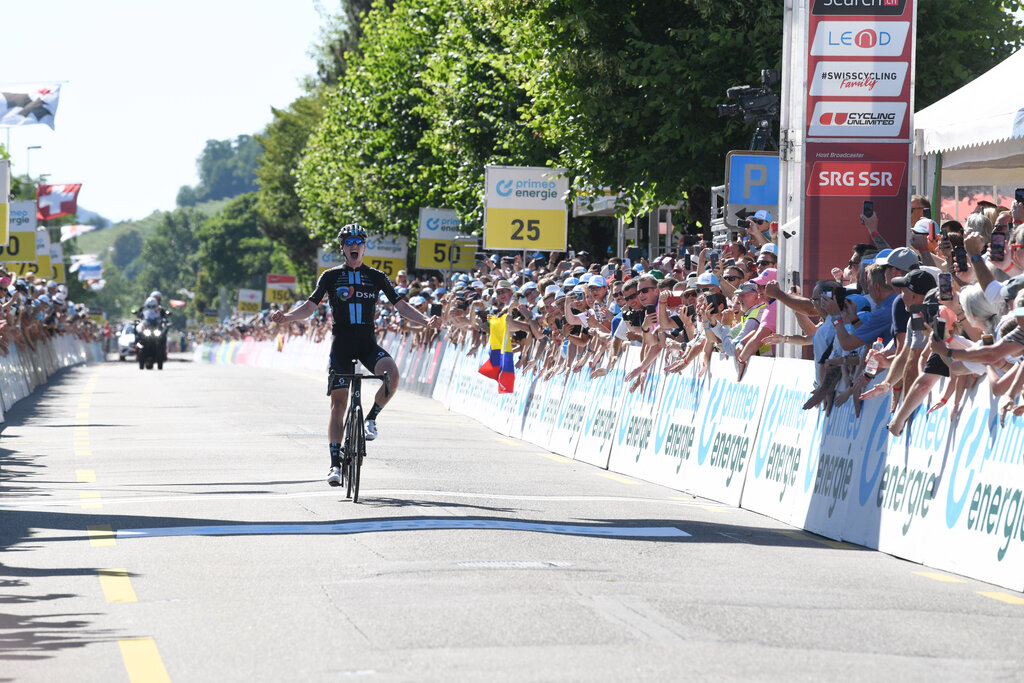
<point>355,436</point>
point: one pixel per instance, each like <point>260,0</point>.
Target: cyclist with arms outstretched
<point>352,290</point>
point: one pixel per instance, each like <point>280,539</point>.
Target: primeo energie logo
<point>527,188</point>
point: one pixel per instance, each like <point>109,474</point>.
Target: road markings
<point>84,416</point>
<point>101,535</point>
<point>443,523</point>
<point>552,456</point>
<point>942,578</point>
<point>710,508</point>
<point>90,499</point>
<point>85,476</point>
<point>142,660</point>
<point>1003,597</point>
<point>82,451</point>
<point>510,442</point>
<point>621,480</point>
<point>117,587</point>
<point>800,536</point>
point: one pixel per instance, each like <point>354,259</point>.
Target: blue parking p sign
<point>752,183</point>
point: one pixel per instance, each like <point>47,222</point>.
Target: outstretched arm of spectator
<point>973,244</point>
<point>871,223</point>
<point>798,303</point>
<point>847,341</point>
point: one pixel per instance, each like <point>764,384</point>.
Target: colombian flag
<point>500,365</point>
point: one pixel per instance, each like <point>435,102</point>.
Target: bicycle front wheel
<point>356,457</point>
<point>351,447</point>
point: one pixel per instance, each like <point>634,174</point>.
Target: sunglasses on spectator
<point>704,290</point>
<point>766,263</point>
<point>631,296</point>
<point>689,295</point>
<point>758,221</point>
<point>853,264</point>
<point>645,289</point>
<point>730,278</point>
<point>354,241</point>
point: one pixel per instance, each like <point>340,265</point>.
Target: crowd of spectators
<point>34,309</point>
<point>950,304</point>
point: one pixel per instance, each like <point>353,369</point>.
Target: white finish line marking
<point>405,525</point>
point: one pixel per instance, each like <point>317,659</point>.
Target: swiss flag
<point>53,201</point>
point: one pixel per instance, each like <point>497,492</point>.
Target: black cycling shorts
<point>345,351</point>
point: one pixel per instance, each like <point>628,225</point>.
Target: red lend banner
<point>280,281</point>
<point>842,177</point>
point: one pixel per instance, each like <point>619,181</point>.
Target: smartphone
<point>997,248</point>
<point>987,340</point>
<point>618,275</point>
<point>650,309</point>
<point>960,256</point>
<point>869,209</point>
<point>743,223</point>
<point>939,330</point>
<point>1018,194</point>
<point>926,211</point>
<point>674,301</point>
<point>436,309</point>
<point>689,261</point>
<point>945,286</point>
<point>917,321</point>
<point>634,253</point>
<point>691,310</point>
<point>714,259</point>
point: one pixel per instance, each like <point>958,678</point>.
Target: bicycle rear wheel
<point>356,457</point>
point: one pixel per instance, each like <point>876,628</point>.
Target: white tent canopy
<point>979,129</point>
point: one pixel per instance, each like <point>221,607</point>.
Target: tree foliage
<point>227,168</point>
<point>283,141</point>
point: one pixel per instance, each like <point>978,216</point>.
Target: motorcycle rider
<point>153,314</point>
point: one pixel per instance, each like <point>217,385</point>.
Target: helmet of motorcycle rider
<point>155,294</point>
<point>151,302</point>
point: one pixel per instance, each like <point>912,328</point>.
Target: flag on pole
<point>54,201</point>
<point>68,232</point>
<point>26,105</point>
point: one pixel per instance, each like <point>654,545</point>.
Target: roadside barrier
<point>22,370</point>
<point>947,493</point>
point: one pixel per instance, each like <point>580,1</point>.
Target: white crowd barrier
<point>947,493</point>
<point>21,371</point>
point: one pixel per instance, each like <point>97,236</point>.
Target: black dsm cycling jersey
<point>353,294</point>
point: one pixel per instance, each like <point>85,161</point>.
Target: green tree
<point>170,256</point>
<point>227,168</point>
<point>339,35</point>
<point>126,248</point>
<point>283,141</point>
<point>233,251</point>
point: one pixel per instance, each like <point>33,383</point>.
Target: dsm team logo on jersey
<point>346,292</point>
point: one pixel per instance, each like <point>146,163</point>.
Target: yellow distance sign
<point>249,306</point>
<point>280,296</point>
<point>21,247</point>
<point>433,254</point>
<point>58,273</point>
<point>389,266</point>
<point>532,229</point>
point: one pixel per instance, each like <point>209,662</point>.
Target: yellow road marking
<point>714,509</point>
<point>81,433</point>
<point>944,578</point>
<point>117,587</point>
<point>552,456</point>
<point>1003,597</point>
<point>90,499</point>
<point>82,415</point>
<point>85,476</point>
<point>101,535</point>
<point>82,451</point>
<point>510,442</point>
<point>142,660</point>
<point>615,477</point>
<point>814,539</point>
<point>689,499</point>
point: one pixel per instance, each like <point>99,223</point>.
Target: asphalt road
<point>176,525</point>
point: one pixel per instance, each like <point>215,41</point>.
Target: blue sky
<point>147,83</point>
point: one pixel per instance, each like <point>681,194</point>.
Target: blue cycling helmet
<point>351,230</point>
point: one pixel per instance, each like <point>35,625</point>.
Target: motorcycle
<point>151,344</point>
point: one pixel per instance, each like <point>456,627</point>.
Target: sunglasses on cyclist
<point>353,241</point>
